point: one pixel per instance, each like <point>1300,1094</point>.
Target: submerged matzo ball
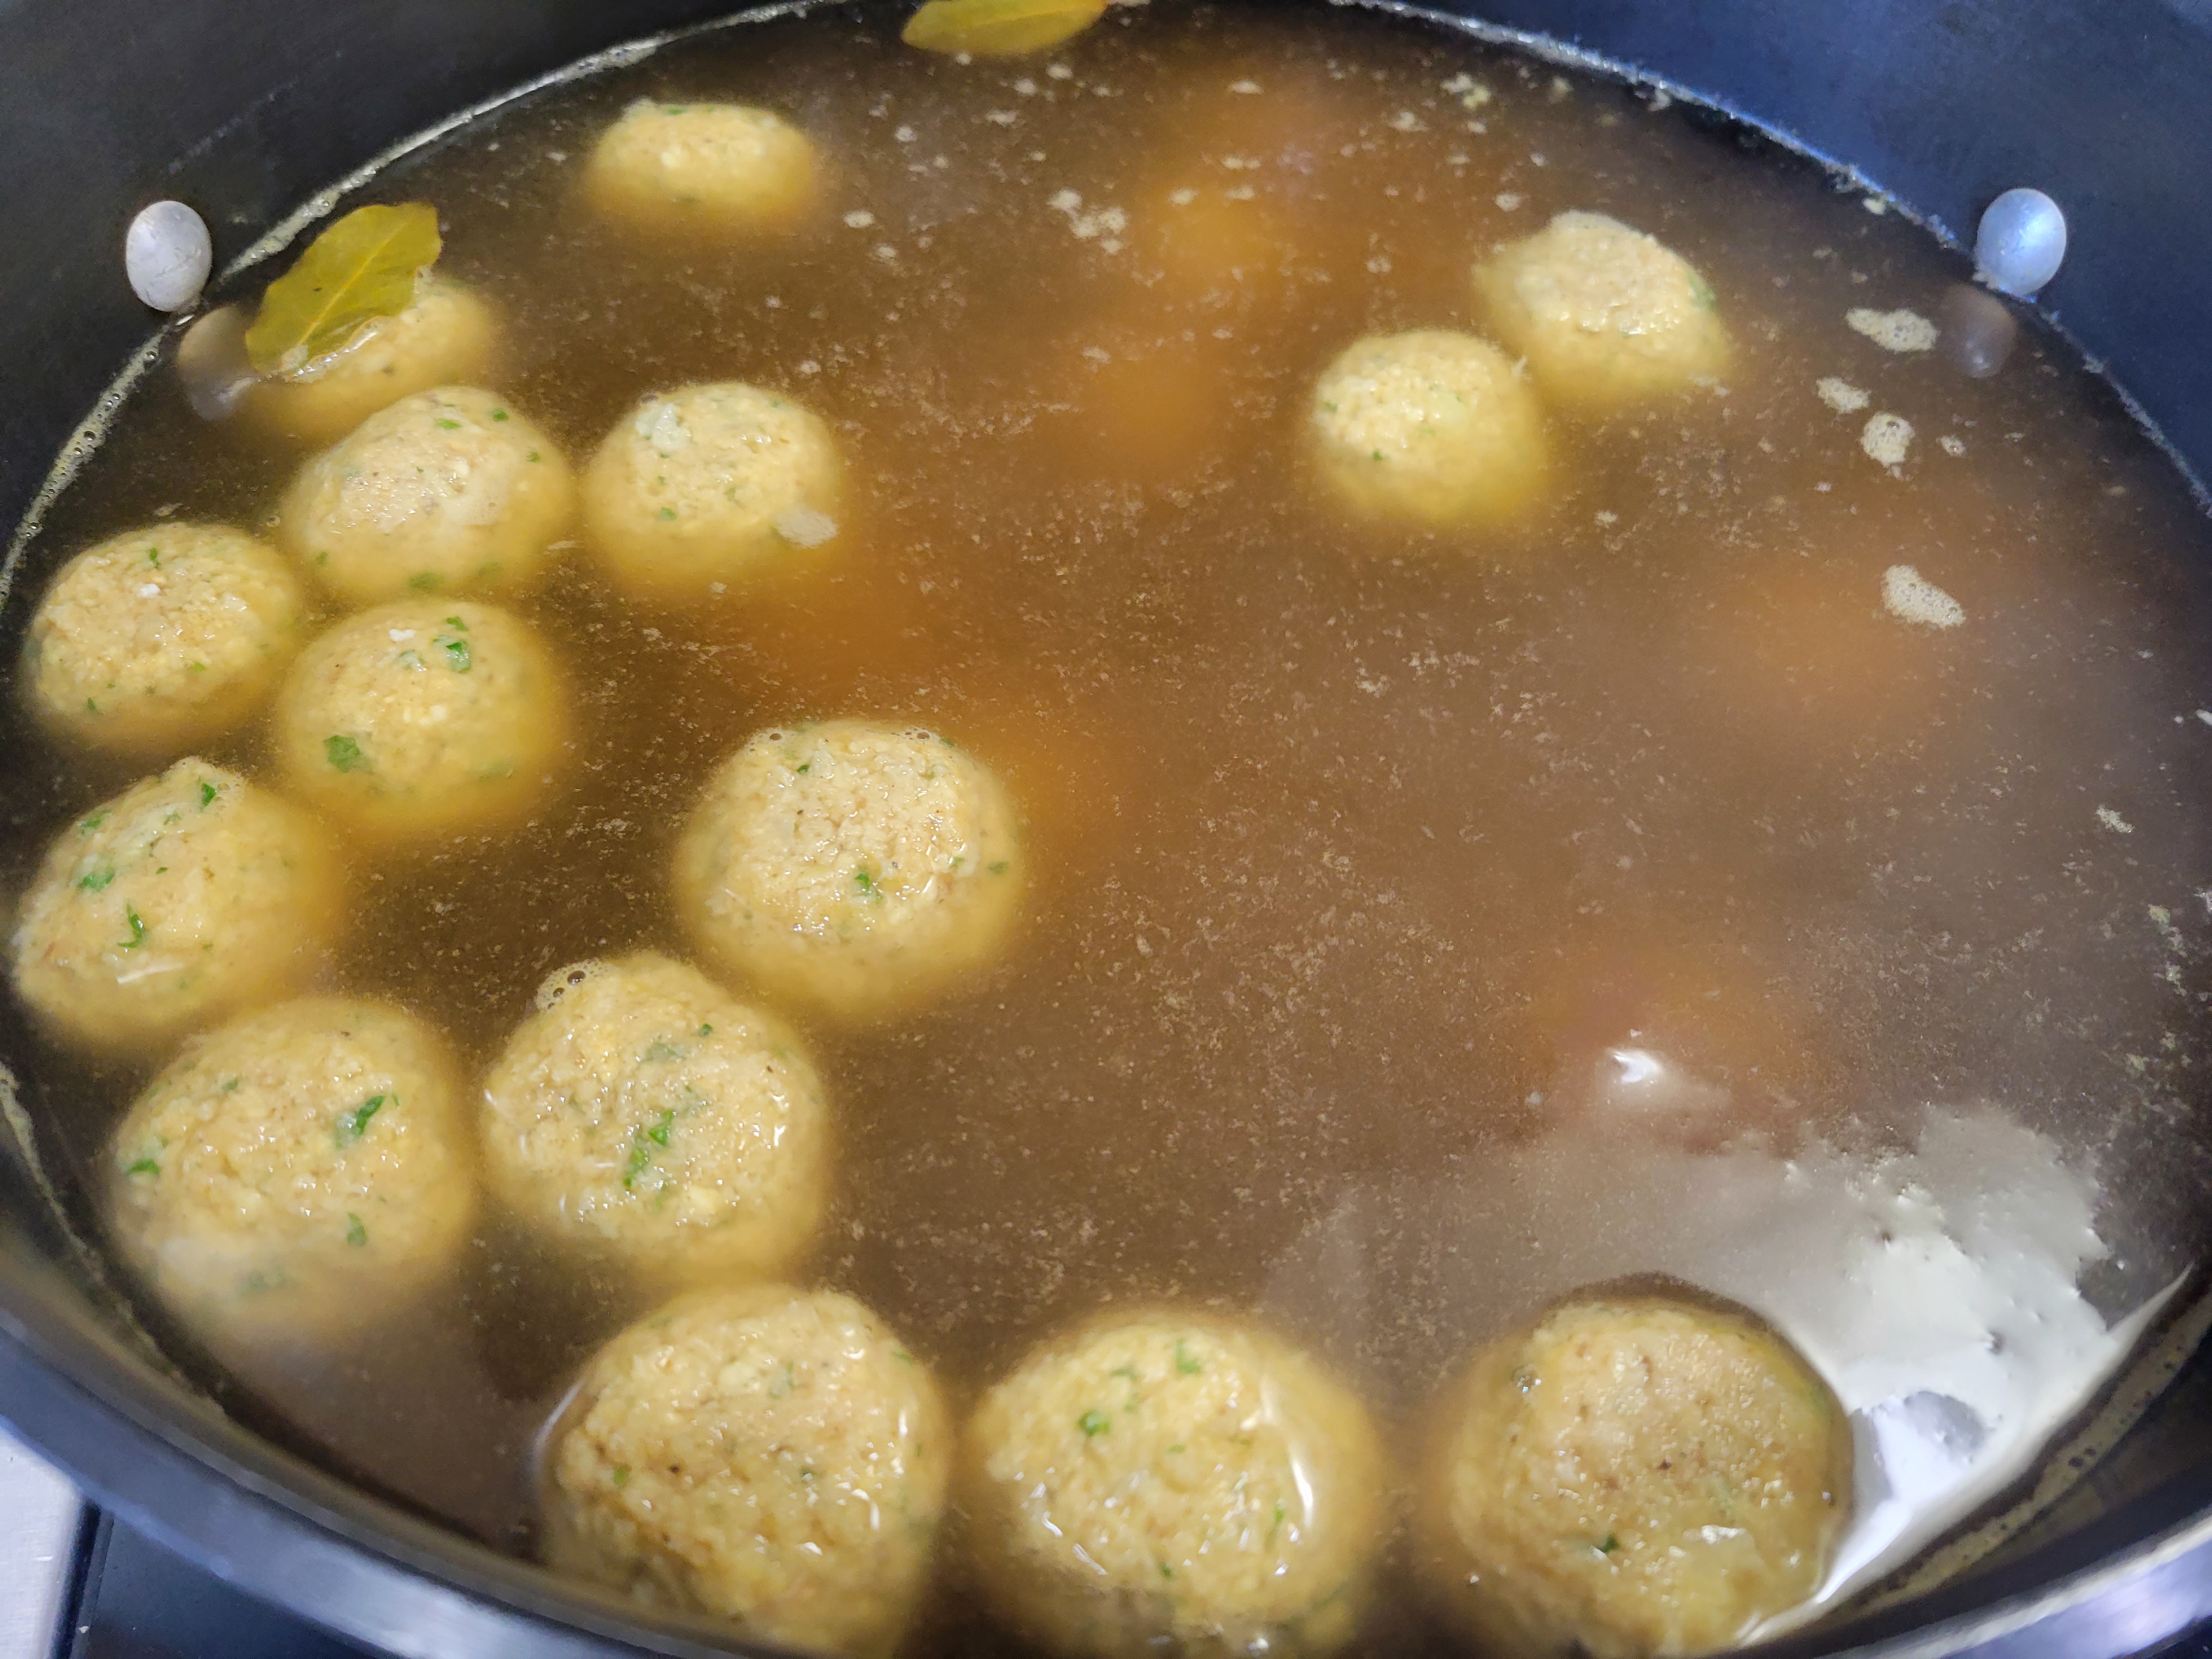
<point>423,718</point>
<point>449,491</point>
<point>711,168</point>
<point>162,637</point>
<point>644,1111</point>
<point>1606,315</point>
<point>446,336</point>
<point>1634,1477</point>
<point>185,898</point>
<point>771,1455</point>
<point>1172,1481</point>
<point>705,489</point>
<point>856,869</point>
<point>296,1171</point>
<point>1431,427</point>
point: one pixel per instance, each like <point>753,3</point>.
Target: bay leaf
<point>999,28</point>
<point>360,268</point>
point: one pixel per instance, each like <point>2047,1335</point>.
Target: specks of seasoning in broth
<point>2112,821</point>
<point>1103,226</point>
<point>1842,396</point>
<point>1887,439</point>
<point>1892,330</point>
<point>1911,597</point>
<point>1471,93</point>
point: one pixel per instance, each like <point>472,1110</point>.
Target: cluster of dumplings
<point>1635,1475</point>
<point>1626,1476</point>
<point>1434,427</point>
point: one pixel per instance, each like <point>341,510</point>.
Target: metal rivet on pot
<point>2021,243</point>
<point>167,255</point>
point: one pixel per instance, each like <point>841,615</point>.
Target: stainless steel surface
<point>39,1513</point>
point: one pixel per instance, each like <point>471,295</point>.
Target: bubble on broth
<point>559,983</point>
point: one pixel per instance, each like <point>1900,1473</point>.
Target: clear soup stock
<point>1264,834</point>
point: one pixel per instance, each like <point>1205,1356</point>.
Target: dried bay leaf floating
<point>362,268</point>
<point>999,28</point>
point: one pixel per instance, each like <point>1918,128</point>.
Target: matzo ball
<point>856,869</point>
<point>189,896</point>
<point>774,1456</point>
<point>644,1111</point>
<point>296,1171</point>
<point>161,638</point>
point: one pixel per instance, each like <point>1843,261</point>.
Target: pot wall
<point>244,107</point>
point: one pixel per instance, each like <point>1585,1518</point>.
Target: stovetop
<point>77,1583</point>
<point>41,1524</point>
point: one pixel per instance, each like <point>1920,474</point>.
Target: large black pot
<point>246,107</point>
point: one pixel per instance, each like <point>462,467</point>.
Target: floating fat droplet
<point>1977,332</point>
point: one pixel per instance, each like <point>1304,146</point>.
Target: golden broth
<point>1351,844</point>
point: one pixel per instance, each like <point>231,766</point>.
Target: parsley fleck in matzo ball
<point>1606,316</point>
<point>421,718</point>
<point>1633,1477</point>
<point>856,869</point>
<point>446,336</point>
<point>707,488</point>
<point>774,1456</point>
<point>644,1112</point>
<point>447,491</point>
<point>704,169</point>
<point>162,638</point>
<point>296,1172</point>
<point>189,896</point>
<point>1175,1481</point>
<point>1430,426</point>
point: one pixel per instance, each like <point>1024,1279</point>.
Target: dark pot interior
<point>246,109</point>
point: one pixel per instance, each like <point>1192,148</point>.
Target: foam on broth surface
<point>1359,855</point>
